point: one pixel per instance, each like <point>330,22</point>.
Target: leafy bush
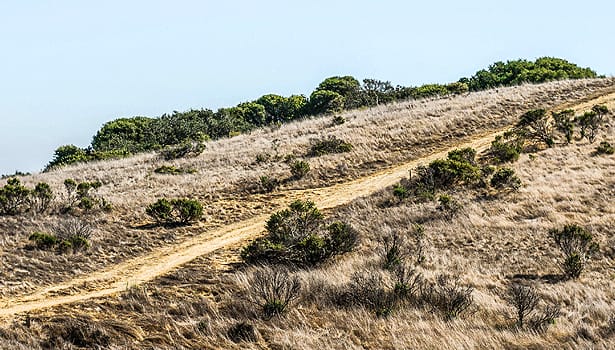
<point>173,170</point>
<point>298,236</point>
<point>41,197</point>
<point>395,248</point>
<point>448,205</point>
<point>326,102</point>
<point>400,191</point>
<point>299,169</point>
<point>504,151</point>
<point>14,198</point>
<point>564,122</point>
<point>175,211</point>
<point>269,183</point>
<point>605,148</point>
<point>83,196</point>
<point>328,145</point>
<point>590,122</point>
<point>43,240</point>
<point>273,290</point>
<point>535,126</point>
<point>577,247</point>
<point>505,178</point>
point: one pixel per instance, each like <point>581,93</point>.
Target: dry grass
<point>487,243</point>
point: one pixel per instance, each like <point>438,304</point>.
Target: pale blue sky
<point>69,66</point>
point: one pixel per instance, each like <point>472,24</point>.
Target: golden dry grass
<point>487,243</point>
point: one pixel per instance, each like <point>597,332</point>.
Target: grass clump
<point>299,169</point>
<point>273,289</point>
<point>173,170</point>
<point>605,148</point>
<point>505,179</point>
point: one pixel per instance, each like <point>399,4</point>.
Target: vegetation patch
<point>328,145</point>
<point>173,170</point>
<point>175,211</point>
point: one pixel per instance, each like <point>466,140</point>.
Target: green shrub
<point>43,240</point>
<point>41,197</point>
<point>448,205</point>
<point>299,169</point>
<point>14,198</point>
<point>298,236</point>
<point>535,126</point>
<point>503,152</point>
<point>269,183</point>
<point>505,178</point>
<point>564,122</point>
<point>82,195</point>
<point>446,173</point>
<point>175,211</point>
<point>327,146</point>
<point>400,191</point>
<point>605,148</point>
<point>463,155</point>
<point>577,247</point>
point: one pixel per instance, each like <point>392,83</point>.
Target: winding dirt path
<point>138,270</point>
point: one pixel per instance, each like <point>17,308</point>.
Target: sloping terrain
<point>488,243</point>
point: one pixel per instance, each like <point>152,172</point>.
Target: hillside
<point>142,285</point>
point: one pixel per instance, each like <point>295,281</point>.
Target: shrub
<point>273,290</point>
<point>325,102</point>
<point>564,122</point>
<point>41,197</point>
<point>269,183</point>
<point>369,290</point>
<point>338,120</point>
<point>400,191</point>
<point>83,196</point>
<point>43,240</point>
<point>408,283</point>
<point>14,198</point>
<point>297,236</point>
<point>242,331</point>
<point>502,151</point>
<point>505,178</point>
<point>73,233</point>
<point>577,247</point>
<point>525,300</point>
<point>446,173</point>
<point>299,169</point>
<point>175,211</point>
<point>535,126</point>
<point>448,205</point>
<point>605,148</point>
<point>173,170</point>
<point>328,145</point>
<point>448,296</point>
<point>394,249</point>
<point>591,121</point>
<point>183,150</point>
<point>463,155</point>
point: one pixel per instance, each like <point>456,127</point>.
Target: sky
<point>67,67</point>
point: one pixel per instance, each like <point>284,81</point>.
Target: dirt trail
<point>146,268</point>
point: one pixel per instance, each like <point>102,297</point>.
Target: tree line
<point>125,136</point>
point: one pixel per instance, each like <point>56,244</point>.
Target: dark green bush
<point>369,290</point>
<point>605,148</point>
<point>505,178</point>
<point>298,236</point>
<point>338,120</point>
<point>183,150</point>
<point>269,183</point>
<point>577,247</point>
<point>448,205</point>
<point>328,145</point>
<point>400,192</point>
<point>41,197</point>
<point>43,240</point>
<point>14,198</point>
<point>299,169</point>
<point>535,126</point>
<point>504,151</point>
<point>564,123</point>
<point>83,196</point>
<point>175,211</point>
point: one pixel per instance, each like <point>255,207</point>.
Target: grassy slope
<point>488,242</point>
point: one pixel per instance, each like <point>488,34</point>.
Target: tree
<point>564,122</point>
<point>325,102</point>
<point>67,154</point>
<point>131,134</point>
<point>534,125</point>
<point>274,107</point>
<point>347,86</point>
<point>376,92</point>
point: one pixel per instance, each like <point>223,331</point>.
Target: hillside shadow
<point>550,278</point>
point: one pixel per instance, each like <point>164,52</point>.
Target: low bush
<point>71,235</point>
<point>268,183</point>
<point>183,150</point>
<point>327,146</point>
<point>577,247</point>
<point>448,205</point>
<point>83,196</point>
<point>525,300</point>
<point>299,169</point>
<point>502,151</point>
<point>175,211</point>
<point>605,148</point>
<point>273,290</point>
<point>43,240</point>
<point>369,290</point>
<point>448,296</point>
<point>16,199</point>
<point>505,179</point>
<point>298,236</point>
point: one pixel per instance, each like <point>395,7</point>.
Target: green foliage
<point>269,183</point>
<point>338,120</point>
<point>299,169</point>
<point>347,87</point>
<point>400,192</point>
<point>464,155</point>
<point>173,170</point>
<point>448,205</point>
<point>505,178</point>
<point>43,240</point>
<point>65,155</point>
<point>591,121</point>
<point>375,92</point>
<point>502,151</point>
<point>83,196</point>
<point>328,145</point>
<point>605,148</point>
<point>129,134</point>
<point>429,90</point>
<point>535,126</point>
<point>14,198</point>
<point>41,197</point>
<point>183,150</point>
<point>297,236</point>
<point>522,71</point>
<point>447,173</point>
<point>325,102</point>
<point>175,211</point>
<point>564,123</point>
<point>577,246</point>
